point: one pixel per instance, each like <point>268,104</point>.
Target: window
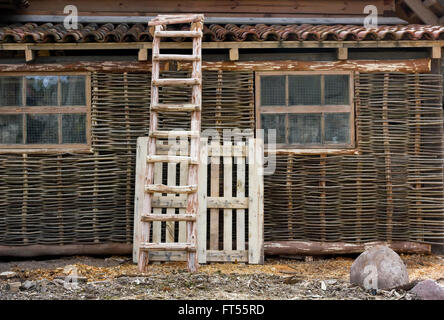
<point>308,110</point>
<point>44,111</point>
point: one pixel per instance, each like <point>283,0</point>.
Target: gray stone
<point>379,268</point>
<point>428,290</point>
<point>28,285</point>
<point>13,286</point>
<point>73,278</point>
<point>8,275</point>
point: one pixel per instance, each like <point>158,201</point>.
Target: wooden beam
<point>143,54</point>
<point>406,66</point>
<point>36,250</point>
<point>226,45</point>
<point>29,55</point>
<point>342,53</point>
<point>436,52</point>
<point>234,54</point>
<point>326,248</point>
<point>424,13</point>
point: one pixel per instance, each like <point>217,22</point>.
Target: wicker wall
<point>88,198</point>
<point>392,190</point>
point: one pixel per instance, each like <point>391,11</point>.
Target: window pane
<point>274,121</point>
<point>41,91</point>
<point>73,90</point>
<point>11,129</point>
<point>337,127</point>
<point>42,128</point>
<point>337,89</point>
<point>304,90</point>
<point>74,128</point>
<point>305,128</point>
<point>10,91</point>
<point>273,91</point>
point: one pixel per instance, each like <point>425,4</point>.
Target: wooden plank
<point>212,202</point>
<point>436,52</point>
<point>183,176</point>
<point>202,213</point>
<point>240,192</point>
<point>171,180</point>
<point>233,256</point>
<point>169,217</point>
<point>424,13</point>
<point>234,54</point>
<point>228,192</point>
<point>142,55</point>
<point>224,45</point>
<point>214,192</point>
<point>342,53</point>
<point>167,246</point>
<point>326,248</point>
<point>153,188</point>
<point>405,66</point>
<point>29,55</point>
<point>141,168</point>
<point>255,209</point>
<point>157,225</point>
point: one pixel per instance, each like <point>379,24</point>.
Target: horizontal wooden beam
<point>406,66</point>
<point>328,248</point>
<point>226,45</point>
<point>66,250</point>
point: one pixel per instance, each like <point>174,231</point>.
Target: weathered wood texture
<point>367,66</point>
<point>259,8</point>
<point>329,248</point>
<point>241,214</point>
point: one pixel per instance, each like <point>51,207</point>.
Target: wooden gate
<point>230,219</point>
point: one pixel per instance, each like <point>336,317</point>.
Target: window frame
<point>58,109</point>
<point>307,109</point>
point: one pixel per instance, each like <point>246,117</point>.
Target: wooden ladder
<point>190,216</point>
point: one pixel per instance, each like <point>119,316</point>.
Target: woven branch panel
<point>392,190</point>
<point>89,198</point>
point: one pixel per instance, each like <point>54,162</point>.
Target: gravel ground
<point>117,278</point>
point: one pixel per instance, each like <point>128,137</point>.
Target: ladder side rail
<point>193,199</point>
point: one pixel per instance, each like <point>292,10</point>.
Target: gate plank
<point>202,213</point>
<point>170,226</point>
<point>157,225</point>
<point>228,192</point>
<point>214,192</point>
<point>240,192</point>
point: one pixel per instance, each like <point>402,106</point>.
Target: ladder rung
<point>175,107</point>
<point>167,246</point>
<point>174,134</point>
<point>161,188</point>
<point>177,57</point>
<point>169,217</point>
<point>175,82</point>
<point>176,19</point>
<point>171,159</point>
<point>178,33</point>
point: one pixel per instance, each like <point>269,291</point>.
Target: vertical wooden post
<point>170,225</point>
<point>228,190</point>
<point>141,166</point>
<point>240,193</point>
<point>214,192</point>
<point>256,202</point>
<point>202,214</point>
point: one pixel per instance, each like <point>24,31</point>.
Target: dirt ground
<point>279,278</point>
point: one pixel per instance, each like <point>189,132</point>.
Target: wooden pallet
<point>154,161</point>
<point>234,176</point>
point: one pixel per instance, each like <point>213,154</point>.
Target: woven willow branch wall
<point>392,190</point>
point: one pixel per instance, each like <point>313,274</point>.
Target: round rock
<point>379,268</point>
